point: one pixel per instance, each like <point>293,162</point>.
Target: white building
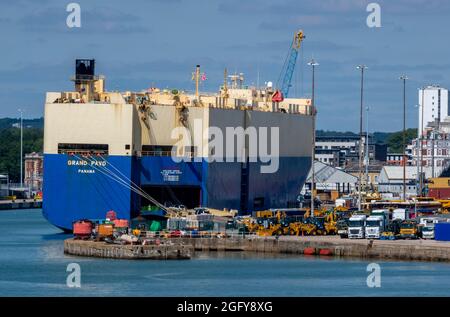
<point>435,151</point>
<point>391,180</point>
<point>435,105</point>
<point>33,171</point>
<point>329,178</point>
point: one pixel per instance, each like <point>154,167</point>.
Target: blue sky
<point>138,43</point>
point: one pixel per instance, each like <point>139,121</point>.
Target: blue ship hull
<point>73,191</point>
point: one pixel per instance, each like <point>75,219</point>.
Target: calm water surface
<point>32,263</point>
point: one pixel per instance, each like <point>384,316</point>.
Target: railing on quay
<point>196,235</point>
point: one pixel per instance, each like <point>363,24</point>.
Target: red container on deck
<point>121,223</point>
<point>111,215</point>
<point>82,228</point>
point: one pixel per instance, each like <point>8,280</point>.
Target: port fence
<point>197,235</point>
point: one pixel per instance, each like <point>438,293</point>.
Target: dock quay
<point>184,248</point>
<point>20,204</point>
<point>168,250</point>
<point>408,250</point>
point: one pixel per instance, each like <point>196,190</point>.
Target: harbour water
<point>32,263</point>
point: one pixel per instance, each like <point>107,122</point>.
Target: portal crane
<point>284,81</point>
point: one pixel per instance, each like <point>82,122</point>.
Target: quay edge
<point>175,251</point>
<point>408,250</point>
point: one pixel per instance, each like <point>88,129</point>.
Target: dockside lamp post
<point>417,151</point>
<point>422,105</point>
<point>21,148</point>
<point>367,149</point>
<point>361,68</point>
<point>404,78</point>
<point>313,65</point>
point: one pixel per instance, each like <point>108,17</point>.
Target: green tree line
<point>395,140</point>
<point>10,148</point>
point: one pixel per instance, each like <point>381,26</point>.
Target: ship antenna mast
<point>197,78</point>
<point>225,84</point>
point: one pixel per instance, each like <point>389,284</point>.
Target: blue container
<point>442,231</point>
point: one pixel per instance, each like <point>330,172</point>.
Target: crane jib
<point>284,81</point>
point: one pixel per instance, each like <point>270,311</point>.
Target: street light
<point>404,78</point>
<point>361,68</point>
<point>421,140</point>
<point>21,147</point>
<point>313,64</point>
<point>417,151</point>
<point>367,147</point>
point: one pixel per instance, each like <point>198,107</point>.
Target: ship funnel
<point>86,82</point>
<point>84,69</point>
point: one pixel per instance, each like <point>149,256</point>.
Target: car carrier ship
<point>108,150</point>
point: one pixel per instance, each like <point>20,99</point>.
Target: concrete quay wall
<point>176,251</point>
<point>415,250</point>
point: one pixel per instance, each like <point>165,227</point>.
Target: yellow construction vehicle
<point>330,228</point>
<point>408,229</point>
<point>445,208</point>
<point>330,223</point>
<point>272,230</point>
<point>251,224</point>
<point>317,213</point>
<point>269,227</point>
<point>340,209</point>
<point>264,214</point>
<point>309,229</point>
<point>300,229</point>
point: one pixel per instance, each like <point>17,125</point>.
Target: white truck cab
<point>428,227</point>
<point>356,225</point>
<point>375,225</point>
<point>428,232</point>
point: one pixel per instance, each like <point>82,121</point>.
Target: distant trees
<point>395,140</point>
<point>10,144</point>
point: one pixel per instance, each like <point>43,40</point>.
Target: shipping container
<point>439,193</point>
<point>442,231</point>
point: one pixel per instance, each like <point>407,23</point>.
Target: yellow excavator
<point>445,208</point>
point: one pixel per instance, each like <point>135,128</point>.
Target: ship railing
<point>86,77</point>
<point>164,153</point>
<point>83,153</point>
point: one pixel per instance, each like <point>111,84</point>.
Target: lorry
<point>342,227</point>
<point>427,227</point>
<point>375,225</point>
<point>427,232</point>
<point>356,225</point>
<point>392,230</point>
<point>408,229</point>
